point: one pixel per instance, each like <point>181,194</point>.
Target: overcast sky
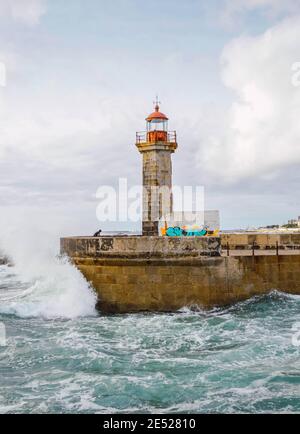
<point>81,77</point>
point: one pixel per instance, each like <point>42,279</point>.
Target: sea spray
<point>48,285</point>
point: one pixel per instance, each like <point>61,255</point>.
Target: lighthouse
<point>156,145</point>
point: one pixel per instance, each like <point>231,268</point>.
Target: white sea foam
<point>44,284</point>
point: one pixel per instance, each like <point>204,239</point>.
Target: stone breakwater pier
<point>162,274</point>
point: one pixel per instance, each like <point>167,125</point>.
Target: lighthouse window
<point>157,125</point>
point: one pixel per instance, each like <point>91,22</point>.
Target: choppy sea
<point>59,355</point>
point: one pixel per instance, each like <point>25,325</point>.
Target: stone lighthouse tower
<point>156,146</point>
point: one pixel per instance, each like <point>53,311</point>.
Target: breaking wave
<point>40,283</point>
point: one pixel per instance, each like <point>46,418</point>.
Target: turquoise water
<point>75,360</point>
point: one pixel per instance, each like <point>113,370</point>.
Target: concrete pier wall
<point>141,247</point>
<point>137,280</point>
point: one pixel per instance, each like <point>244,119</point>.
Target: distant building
<point>294,222</point>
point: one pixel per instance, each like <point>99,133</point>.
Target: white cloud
<point>260,134</point>
<point>27,12</point>
<point>69,111</point>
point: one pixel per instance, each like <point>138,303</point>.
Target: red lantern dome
<point>157,115</point>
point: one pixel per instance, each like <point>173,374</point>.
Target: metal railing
<point>141,137</point>
<point>145,137</point>
<point>256,249</point>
